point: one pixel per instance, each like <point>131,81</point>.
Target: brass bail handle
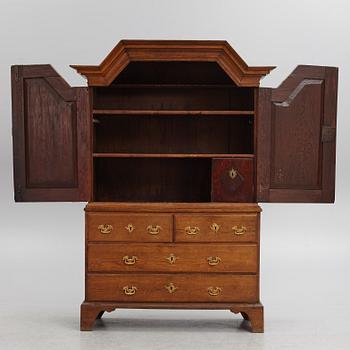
<point>105,228</point>
<point>192,230</point>
<point>213,260</point>
<point>130,261</point>
<point>214,291</point>
<point>239,230</point>
<point>129,290</point>
<point>154,229</point>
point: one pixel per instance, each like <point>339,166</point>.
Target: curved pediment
<point>128,51</point>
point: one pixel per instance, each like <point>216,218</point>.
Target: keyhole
<point>232,173</point>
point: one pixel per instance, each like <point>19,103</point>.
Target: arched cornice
<point>173,50</point>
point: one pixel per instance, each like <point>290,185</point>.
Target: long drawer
<point>172,288</point>
<point>129,227</point>
<point>153,257</point>
<point>216,228</point>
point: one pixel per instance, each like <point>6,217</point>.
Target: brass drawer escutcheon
<point>171,288</point>
<point>153,230</point>
<point>213,260</point>
<point>105,228</point>
<point>239,230</point>
<point>171,258</point>
<point>130,261</point>
<point>214,291</point>
<point>192,230</point>
<point>129,290</point>
<point>130,228</point>
<point>215,227</point>
<point>232,173</point>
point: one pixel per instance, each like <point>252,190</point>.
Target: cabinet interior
<point>152,179</point>
<point>174,134</point>
<point>158,126</point>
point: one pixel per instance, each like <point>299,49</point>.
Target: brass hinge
<point>328,134</point>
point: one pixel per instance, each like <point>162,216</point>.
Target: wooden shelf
<point>167,112</point>
<point>171,155</point>
<point>171,86</point>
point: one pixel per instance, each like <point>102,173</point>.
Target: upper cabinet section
<point>174,121</point>
<point>180,54</point>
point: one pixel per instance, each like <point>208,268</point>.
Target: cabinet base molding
<point>253,313</point>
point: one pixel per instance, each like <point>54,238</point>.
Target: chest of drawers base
<point>172,256</point>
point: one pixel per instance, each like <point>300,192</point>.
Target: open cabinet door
<point>51,141</point>
<point>296,137</point>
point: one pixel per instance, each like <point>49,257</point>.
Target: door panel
<point>296,137</point>
<point>50,136</point>
<point>49,122</point>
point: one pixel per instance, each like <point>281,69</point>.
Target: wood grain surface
<point>189,287</point>
<point>172,258</point>
<point>216,228</point>
<point>130,227</point>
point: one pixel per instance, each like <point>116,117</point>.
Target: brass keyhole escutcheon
<point>192,230</point>
<point>130,228</point>
<point>239,230</point>
<point>215,227</point>
<point>214,291</point>
<point>105,228</point>
<point>130,261</point>
<point>171,288</point>
<point>129,290</point>
<point>213,260</point>
<point>171,258</point>
<point>232,173</point>
<point>154,230</point>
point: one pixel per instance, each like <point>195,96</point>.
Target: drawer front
<point>173,258</point>
<point>129,227</point>
<point>216,228</point>
<point>172,288</point>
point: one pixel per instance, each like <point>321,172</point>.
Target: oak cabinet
<point>173,142</point>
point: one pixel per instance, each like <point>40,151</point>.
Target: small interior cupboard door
<point>51,142</point>
<point>232,180</point>
<point>296,137</point>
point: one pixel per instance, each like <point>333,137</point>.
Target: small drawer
<point>172,288</point>
<point>216,228</point>
<point>232,180</point>
<point>172,258</point>
<point>129,227</point>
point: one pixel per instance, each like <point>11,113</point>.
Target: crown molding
<point>128,51</point>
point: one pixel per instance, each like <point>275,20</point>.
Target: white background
<point>305,256</point>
